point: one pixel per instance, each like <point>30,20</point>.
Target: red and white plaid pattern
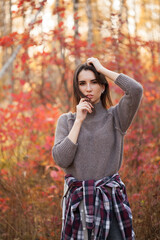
<point>98,205</point>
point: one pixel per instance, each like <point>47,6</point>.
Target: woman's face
<point>89,86</point>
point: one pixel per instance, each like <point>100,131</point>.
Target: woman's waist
<point>85,173</point>
<point>107,183</point>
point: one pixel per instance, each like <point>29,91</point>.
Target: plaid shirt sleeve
<point>98,205</point>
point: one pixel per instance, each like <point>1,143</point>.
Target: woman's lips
<point>89,96</point>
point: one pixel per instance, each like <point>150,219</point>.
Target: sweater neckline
<point>96,111</point>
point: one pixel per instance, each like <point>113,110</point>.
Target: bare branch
<point>11,59</point>
<point>13,56</point>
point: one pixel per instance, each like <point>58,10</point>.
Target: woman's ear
<point>103,88</point>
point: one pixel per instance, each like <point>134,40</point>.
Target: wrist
<point>78,121</point>
<point>103,70</point>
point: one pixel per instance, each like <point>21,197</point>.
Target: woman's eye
<point>92,82</point>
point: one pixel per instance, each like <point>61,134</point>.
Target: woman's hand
<point>96,64</point>
<point>83,108</point>
<point>107,73</point>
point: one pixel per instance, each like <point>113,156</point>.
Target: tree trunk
<point>115,33</point>
<point>42,75</point>
<point>76,35</point>
<point>159,35</point>
<point>59,19</point>
<point>135,34</point>
<point>11,83</point>
<point>62,72</point>
<point>131,50</point>
<point>90,26</point>
<point>14,54</point>
<point>3,27</point>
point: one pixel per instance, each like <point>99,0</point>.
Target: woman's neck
<point>96,111</point>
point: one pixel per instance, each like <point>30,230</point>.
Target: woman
<point>89,147</point>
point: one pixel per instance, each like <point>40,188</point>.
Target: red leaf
<point>60,24</point>
<point>22,82</point>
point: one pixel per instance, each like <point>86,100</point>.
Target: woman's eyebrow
<point>85,80</point>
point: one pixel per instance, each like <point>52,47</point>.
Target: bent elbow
<point>62,156</point>
<point>138,92</point>
<point>139,89</point>
<point>58,160</point>
<point>64,152</point>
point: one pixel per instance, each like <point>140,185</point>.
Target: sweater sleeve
<point>126,109</point>
<point>64,149</point>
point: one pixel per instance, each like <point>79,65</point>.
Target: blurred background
<point>41,43</point>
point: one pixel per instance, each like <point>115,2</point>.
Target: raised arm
<point>126,109</point>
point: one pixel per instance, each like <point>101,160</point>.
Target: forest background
<point>41,43</point>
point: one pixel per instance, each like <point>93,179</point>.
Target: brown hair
<point>77,94</point>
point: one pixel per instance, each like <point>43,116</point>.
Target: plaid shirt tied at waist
<point>98,205</point>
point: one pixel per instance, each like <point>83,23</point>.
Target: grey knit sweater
<point>99,149</point>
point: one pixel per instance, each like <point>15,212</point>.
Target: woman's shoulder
<point>67,116</point>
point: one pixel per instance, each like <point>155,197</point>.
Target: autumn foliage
<point>31,184</point>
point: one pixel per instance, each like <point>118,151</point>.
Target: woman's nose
<point>89,87</point>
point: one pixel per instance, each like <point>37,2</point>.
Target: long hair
<point>77,94</point>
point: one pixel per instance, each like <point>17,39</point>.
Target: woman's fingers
<point>91,60</point>
<point>86,100</point>
<point>95,62</point>
<point>83,99</point>
<point>85,106</point>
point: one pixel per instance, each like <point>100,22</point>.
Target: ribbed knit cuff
<point>123,81</point>
<point>70,144</point>
<point>64,152</point>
